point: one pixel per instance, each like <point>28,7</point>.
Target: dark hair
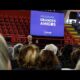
<point>75,56</point>
<point>66,56</point>
<point>67,50</point>
<point>16,50</point>
<point>47,60</point>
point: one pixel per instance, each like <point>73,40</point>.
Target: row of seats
<point>12,18</point>
<point>69,36</point>
<point>14,25</point>
<point>17,25</point>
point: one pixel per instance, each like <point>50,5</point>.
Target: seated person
<point>27,57</point>
<point>47,60</point>
<point>78,25</point>
<point>5,63</point>
<point>15,55</point>
<point>74,25</point>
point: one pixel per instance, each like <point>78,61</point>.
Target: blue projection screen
<point>49,24</point>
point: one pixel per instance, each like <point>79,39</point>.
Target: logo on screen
<point>47,20</point>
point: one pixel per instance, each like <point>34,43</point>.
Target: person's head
<point>10,52</point>
<point>47,60</point>
<point>73,22</point>
<point>29,37</point>
<point>51,47</point>
<point>28,55</point>
<point>65,58</point>
<point>16,50</point>
<point>67,51</point>
<point>5,63</point>
<point>75,56</point>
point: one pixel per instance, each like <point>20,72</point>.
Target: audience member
<point>78,65</point>
<point>66,56</point>
<point>74,25</point>
<point>27,57</point>
<point>78,25</point>
<point>51,47</point>
<point>47,60</point>
<point>11,52</point>
<point>75,56</point>
<point>15,55</point>
<point>5,63</point>
<point>16,49</point>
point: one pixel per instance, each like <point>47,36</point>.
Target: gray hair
<point>51,47</point>
<point>16,50</point>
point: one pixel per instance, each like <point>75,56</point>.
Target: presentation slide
<point>46,24</point>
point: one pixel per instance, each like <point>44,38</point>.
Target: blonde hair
<point>77,65</point>
<point>28,55</point>
<point>4,57</point>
